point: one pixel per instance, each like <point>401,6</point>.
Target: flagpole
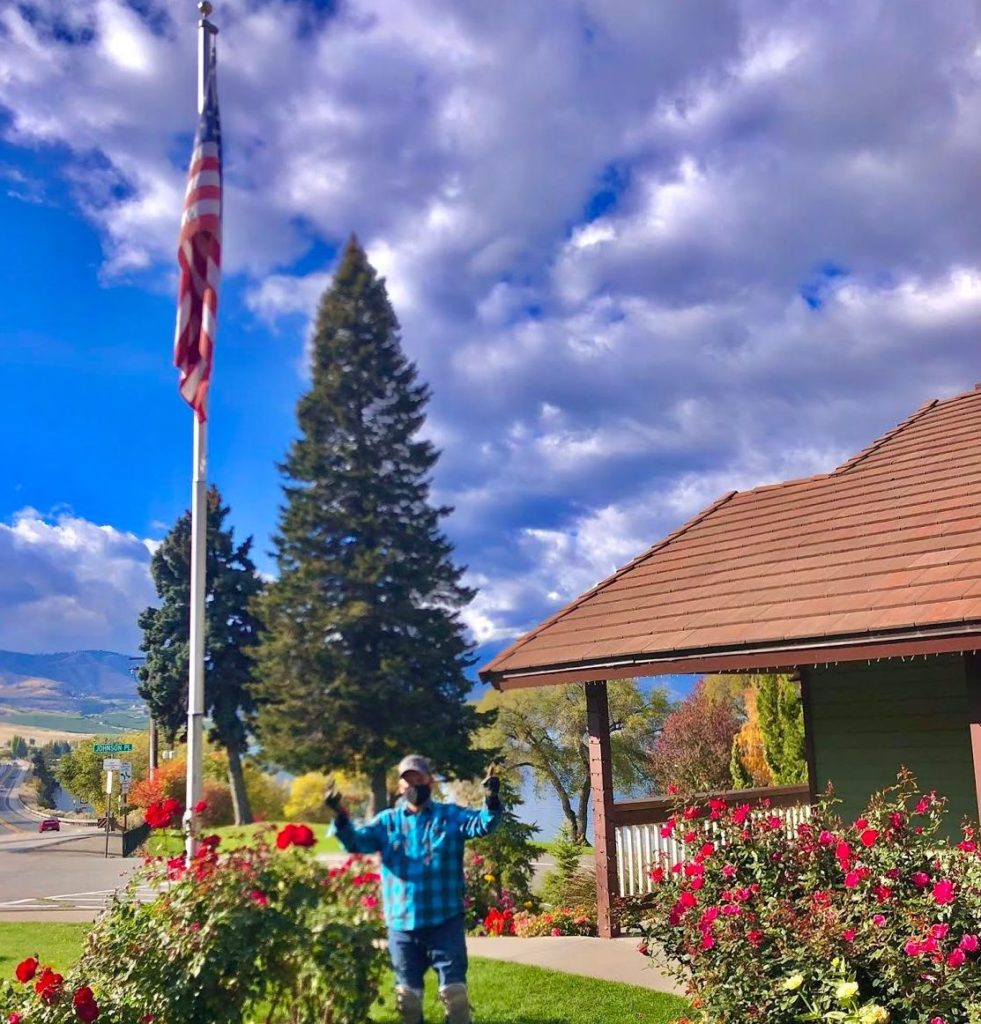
<point>199,533</point>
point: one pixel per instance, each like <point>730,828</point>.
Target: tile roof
<point>885,550</point>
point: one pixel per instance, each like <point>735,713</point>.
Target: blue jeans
<point>442,946</point>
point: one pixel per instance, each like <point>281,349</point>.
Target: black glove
<point>492,789</point>
<point>335,802</point>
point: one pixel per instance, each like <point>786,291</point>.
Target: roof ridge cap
<point>674,535</point>
<point>886,437</point>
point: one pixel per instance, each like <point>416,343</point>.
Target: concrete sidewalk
<point>608,959</point>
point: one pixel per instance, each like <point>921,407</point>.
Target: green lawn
<point>502,993</point>
<point>56,944</point>
<point>234,837</point>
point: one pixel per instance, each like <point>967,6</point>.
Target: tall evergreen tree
<point>364,654</point>
<point>231,631</point>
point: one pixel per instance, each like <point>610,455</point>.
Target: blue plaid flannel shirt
<point>421,858</point>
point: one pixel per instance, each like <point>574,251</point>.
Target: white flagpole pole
<point>199,533</point>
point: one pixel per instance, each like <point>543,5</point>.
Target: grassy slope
<point>502,993</point>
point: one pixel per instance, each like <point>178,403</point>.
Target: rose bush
<point>264,933</point>
<point>871,921</point>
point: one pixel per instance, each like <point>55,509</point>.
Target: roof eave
<point>911,642</point>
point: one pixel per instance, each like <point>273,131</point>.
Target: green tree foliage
<point>18,747</point>
<point>782,728</point>
<point>82,776</point>
<point>543,729</point>
<point>231,631</point>
<point>364,654</point>
<point>45,783</point>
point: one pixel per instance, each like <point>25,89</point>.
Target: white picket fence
<point>642,847</point>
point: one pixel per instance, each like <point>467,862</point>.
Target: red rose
<point>920,879</point>
<point>87,1012</point>
<point>259,898</point>
<point>83,995</point>
<point>14,1018</point>
<point>849,934</point>
<point>852,879</point>
<point>740,814</point>
<point>26,970</point>
<point>284,839</point>
<point>843,852</point>
<point>48,986</point>
<point>303,836</point>
<point>754,938</point>
<point>200,807</point>
<point>657,875</point>
<point>969,943</point>
<point>869,836</point>
<point>672,789</point>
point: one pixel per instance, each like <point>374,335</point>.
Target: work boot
<point>454,998</point>
<point>409,1004</point>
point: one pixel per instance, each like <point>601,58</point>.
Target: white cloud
<point>643,252</point>
<point>67,583</point>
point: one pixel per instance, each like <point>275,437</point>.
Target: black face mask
<point>418,795</point>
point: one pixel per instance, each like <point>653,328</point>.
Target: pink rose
<point>943,892</point>
<point>969,943</point>
<point>956,957</point>
<point>921,879</point>
<point>912,948</point>
<point>879,921</point>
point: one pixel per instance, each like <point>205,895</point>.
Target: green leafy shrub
<point>498,868</point>
<point>866,922</point>
<point>560,921</point>
<point>264,933</point>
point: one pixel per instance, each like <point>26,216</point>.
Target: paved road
<point>40,876</point>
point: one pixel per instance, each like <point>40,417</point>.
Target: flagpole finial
<point>205,8</point>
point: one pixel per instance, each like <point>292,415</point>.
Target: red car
<point>49,825</point>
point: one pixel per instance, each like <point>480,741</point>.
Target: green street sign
<point>113,748</point>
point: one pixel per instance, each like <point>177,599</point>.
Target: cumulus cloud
<point>643,252</point>
<point>67,583</point>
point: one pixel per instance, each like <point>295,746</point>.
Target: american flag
<point>199,254</point>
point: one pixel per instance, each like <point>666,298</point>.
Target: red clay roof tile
<point>888,542</point>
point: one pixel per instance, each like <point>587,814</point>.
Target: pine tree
<point>364,656</point>
<point>231,631</point>
<point>782,728</point>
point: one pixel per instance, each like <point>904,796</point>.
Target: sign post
<point>108,806</point>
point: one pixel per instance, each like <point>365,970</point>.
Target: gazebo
<point>865,581</point>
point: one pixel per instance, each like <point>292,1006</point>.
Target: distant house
<point>865,581</point>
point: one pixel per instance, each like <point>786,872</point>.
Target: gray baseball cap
<point>414,763</point>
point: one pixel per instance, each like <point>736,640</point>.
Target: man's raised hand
<point>492,789</point>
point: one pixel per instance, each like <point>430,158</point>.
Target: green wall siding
<point>869,720</point>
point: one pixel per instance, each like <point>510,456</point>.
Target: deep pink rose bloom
<point>943,892</point>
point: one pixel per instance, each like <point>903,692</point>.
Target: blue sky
<point>644,254</point>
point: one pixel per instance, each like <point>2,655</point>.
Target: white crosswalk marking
<point>94,900</point>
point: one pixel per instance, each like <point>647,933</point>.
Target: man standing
<point>421,845</point>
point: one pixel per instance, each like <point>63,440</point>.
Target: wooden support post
<point>805,700</point>
<point>601,779</point>
<point>973,674</point>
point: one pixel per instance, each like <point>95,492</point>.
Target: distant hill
<point>79,681</point>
